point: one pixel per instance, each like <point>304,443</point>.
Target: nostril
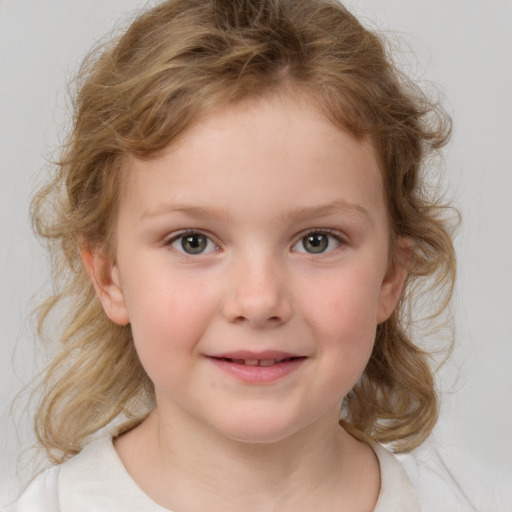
<point>270,320</point>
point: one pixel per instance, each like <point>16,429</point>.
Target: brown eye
<point>315,242</point>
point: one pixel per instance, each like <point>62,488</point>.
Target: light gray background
<point>463,45</point>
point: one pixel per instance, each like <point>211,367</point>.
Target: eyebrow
<point>313,212</point>
<point>199,212</point>
<point>303,213</point>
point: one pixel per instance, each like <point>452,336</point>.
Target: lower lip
<point>258,374</point>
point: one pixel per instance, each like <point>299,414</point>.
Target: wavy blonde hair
<point>175,63</point>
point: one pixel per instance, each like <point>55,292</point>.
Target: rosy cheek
<point>348,308</point>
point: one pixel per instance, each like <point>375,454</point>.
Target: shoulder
<point>396,491</point>
<point>429,480</point>
<point>40,496</point>
<point>448,479</point>
<point>88,481</point>
<point>96,479</point>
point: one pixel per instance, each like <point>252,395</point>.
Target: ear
<point>393,284</point>
<point>107,283</point>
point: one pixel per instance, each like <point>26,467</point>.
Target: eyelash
<point>339,239</point>
<point>189,233</point>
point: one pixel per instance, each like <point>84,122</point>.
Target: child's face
<point>263,235</point>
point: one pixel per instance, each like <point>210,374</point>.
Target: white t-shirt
<point>96,480</point>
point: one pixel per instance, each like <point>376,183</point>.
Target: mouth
<point>259,362</point>
<point>258,367</point>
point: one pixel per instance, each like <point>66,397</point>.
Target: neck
<point>198,469</point>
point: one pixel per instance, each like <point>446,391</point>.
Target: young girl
<point>240,224</point>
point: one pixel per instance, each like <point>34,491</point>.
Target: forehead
<point>273,147</point>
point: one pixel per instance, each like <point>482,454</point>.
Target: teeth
<point>256,362</point>
<point>259,362</point>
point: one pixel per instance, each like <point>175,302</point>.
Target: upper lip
<point>252,355</point>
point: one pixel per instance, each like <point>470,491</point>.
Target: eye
<point>192,243</point>
<point>317,242</point>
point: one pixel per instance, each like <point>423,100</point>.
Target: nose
<point>258,295</point>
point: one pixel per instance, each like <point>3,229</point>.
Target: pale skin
<point>264,230</point>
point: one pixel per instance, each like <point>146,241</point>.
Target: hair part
<point>174,64</point>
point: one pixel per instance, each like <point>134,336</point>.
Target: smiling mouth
<point>258,362</point>
<point>258,368</point>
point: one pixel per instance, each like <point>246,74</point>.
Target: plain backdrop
<point>465,46</point>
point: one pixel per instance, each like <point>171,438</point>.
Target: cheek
<point>346,300</point>
<point>342,314</point>
<point>163,299</point>
<point>168,318</point>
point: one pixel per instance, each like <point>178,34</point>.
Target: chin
<point>260,431</point>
